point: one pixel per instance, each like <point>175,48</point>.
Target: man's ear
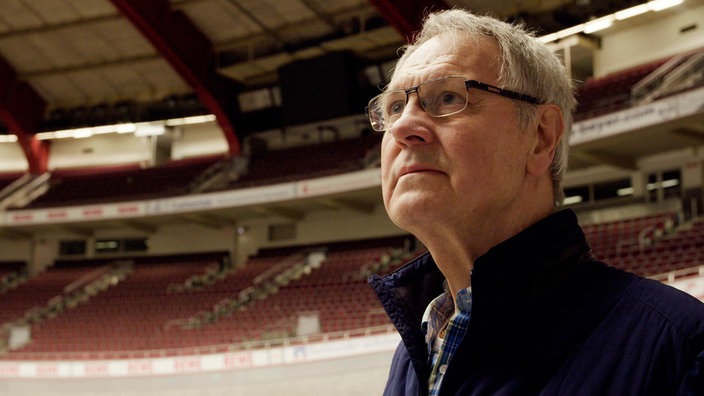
<point>549,127</point>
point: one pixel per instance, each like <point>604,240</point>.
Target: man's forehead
<point>448,54</point>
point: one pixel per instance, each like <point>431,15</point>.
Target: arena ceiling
<point>80,57</point>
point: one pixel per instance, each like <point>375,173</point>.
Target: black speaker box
<point>321,88</point>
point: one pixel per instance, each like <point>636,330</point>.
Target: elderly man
<point>508,299</point>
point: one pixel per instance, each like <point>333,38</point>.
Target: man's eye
<point>451,98</point>
<point>396,107</point>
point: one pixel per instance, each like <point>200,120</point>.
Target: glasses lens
<point>443,96</point>
<point>440,97</point>
<point>386,108</point>
<point>375,117</point>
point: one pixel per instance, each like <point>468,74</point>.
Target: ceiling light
<point>570,31</point>
<point>572,200</point>
<point>598,24</point>
<point>549,38</point>
<point>8,138</point>
<point>149,130</point>
<point>659,5</point>
<point>99,130</point>
<point>44,135</point>
<point>82,133</point>
<point>125,128</point>
<point>664,184</point>
<point>631,12</point>
<point>200,119</point>
<point>605,22</point>
<point>670,183</point>
<point>622,192</point>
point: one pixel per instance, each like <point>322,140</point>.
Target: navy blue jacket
<point>548,319</point>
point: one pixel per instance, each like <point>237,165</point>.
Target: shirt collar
<point>441,309</point>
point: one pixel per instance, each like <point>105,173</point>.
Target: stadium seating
<point>150,308</point>
<point>610,93</point>
<point>337,292</point>
<point>37,291</point>
<point>136,313</point>
<point>305,162</point>
<point>131,182</point>
<point>121,183</point>
<point>608,239</point>
<point>613,92</point>
<point>649,245</point>
<point>129,315</point>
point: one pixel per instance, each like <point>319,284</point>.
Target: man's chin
<point>411,209</point>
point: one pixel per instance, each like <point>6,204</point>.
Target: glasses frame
<point>468,84</point>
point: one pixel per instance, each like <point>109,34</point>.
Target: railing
<point>200,350</point>
<point>266,283</point>
<point>643,87</point>
<point>78,292</point>
<point>677,73</point>
<point>88,278</point>
<point>11,188</point>
<point>219,174</point>
<point>279,268</point>
<point>12,279</point>
<point>673,275</point>
<point>24,190</point>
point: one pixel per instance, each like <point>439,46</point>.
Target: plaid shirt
<point>442,319</point>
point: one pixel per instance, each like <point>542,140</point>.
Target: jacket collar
<point>404,294</point>
<point>507,273</point>
<point>534,254</point>
<point>535,250</point>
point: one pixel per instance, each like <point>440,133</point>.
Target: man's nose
<point>414,125</point>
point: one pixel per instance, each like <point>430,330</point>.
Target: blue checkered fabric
<point>445,324</point>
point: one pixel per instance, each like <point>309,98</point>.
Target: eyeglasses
<point>439,97</point>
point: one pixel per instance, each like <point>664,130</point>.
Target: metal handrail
<point>657,74</point>
<point>665,77</point>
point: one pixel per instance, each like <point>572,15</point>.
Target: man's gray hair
<point>526,66</point>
